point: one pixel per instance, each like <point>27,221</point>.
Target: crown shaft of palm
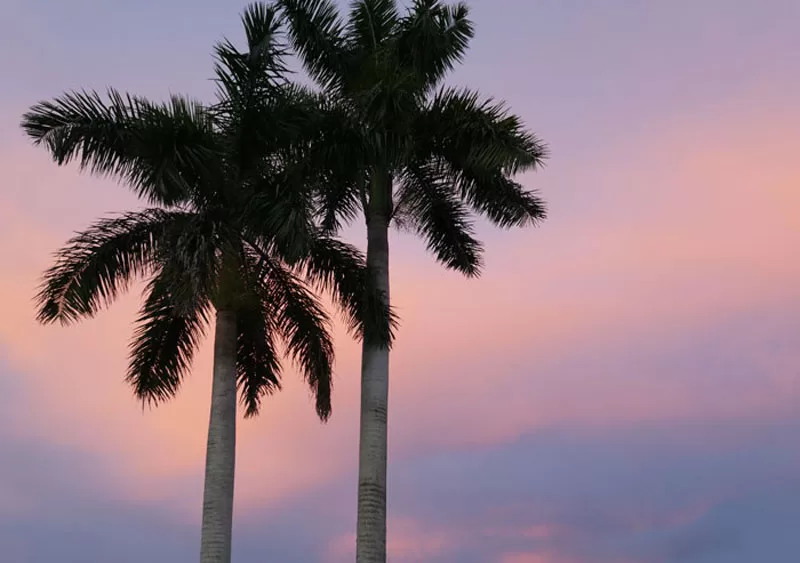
<point>428,159</point>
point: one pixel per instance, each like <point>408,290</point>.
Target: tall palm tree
<point>422,157</point>
<point>230,229</point>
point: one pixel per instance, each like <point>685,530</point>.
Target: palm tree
<point>230,229</point>
<point>421,157</point>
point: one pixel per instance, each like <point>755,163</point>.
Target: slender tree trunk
<point>215,540</point>
<point>371,536</point>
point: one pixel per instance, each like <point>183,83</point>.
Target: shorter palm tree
<point>230,229</point>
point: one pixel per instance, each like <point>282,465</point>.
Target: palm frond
<point>167,332</point>
<point>481,145</point>
<point>255,108</point>
<point>97,264</point>
<point>304,327</point>
<point>438,215</point>
<point>279,220</point>
<point>242,76</point>
<point>433,38</point>
<point>318,37</point>
<point>194,258</point>
<point>162,151</point>
<point>338,205</point>
<point>371,23</point>
<point>466,130</point>
<point>309,176</point>
<point>503,201</point>
<point>257,361</point>
<point>333,161</point>
<point>262,27</point>
<point>341,270</point>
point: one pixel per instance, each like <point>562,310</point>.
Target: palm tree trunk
<point>373,442</point>
<point>215,539</point>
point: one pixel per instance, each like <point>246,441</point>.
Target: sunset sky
<point>622,385</point>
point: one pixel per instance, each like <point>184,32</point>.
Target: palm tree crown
<point>446,154</point>
<point>231,227</point>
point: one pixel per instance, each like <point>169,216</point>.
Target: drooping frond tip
<point>97,264</point>
<point>257,361</point>
<point>295,315</point>
<point>438,214</point>
<point>164,342</point>
<point>340,269</point>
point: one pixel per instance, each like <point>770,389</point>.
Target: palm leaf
<point>332,160</point>
<point>370,24</point>
<point>97,264</point>
<point>464,129</point>
<point>167,332</point>
<point>432,39</point>
<point>304,327</point>
<point>340,269</point>
<point>504,202</point>
<point>480,144</point>
<point>163,151</point>
<point>318,37</point>
<point>257,361</point>
<point>279,220</point>
<point>242,76</point>
<point>438,215</point>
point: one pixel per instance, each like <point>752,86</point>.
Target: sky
<point>622,385</point>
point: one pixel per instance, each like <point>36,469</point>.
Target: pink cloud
<point>408,541</point>
<point>533,558</point>
<point>535,531</point>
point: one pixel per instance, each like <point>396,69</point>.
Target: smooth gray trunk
<point>215,539</point>
<point>371,529</point>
